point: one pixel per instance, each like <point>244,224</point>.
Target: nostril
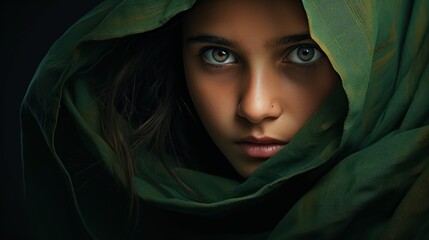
<point>256,113</point>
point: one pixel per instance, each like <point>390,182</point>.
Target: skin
<point>254,75</point>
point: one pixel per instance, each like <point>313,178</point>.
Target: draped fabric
<point>359,169</point>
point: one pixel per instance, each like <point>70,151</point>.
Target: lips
<point>261,147</point>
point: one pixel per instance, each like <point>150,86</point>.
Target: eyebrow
<point>291,39</point>
<point>210,39</point>
<point>284,40</point>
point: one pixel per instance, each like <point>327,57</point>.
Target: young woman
<point>232,120</point>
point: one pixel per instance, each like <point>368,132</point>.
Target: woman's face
<point>254,75</point>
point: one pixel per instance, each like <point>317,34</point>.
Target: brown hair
<point>146,86</point>
<point>142,88</point>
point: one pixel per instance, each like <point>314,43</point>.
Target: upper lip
<point>261,140</point>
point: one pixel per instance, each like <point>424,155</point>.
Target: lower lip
<point>261,150</point>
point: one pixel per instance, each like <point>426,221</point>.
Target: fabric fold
<point>357,170</point>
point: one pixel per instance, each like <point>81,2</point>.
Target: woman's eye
<point>218,56</point>
<point>304,55</point>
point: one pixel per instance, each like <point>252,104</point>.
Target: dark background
<point>27,29</point>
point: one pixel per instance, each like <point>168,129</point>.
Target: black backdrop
<point>27,29</point>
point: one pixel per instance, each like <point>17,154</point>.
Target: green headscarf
<point>359,171</point>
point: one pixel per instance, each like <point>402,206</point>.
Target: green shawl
<point>362,176</point>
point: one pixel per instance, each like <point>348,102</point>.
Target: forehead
<point>255,18</point>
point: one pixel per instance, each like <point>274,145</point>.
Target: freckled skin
<point>259,94</point>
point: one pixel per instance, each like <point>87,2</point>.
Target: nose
<point>258,99</point>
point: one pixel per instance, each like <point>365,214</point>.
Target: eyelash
<point>317,51</point>
<point>318,54</point>
<point>206,62</point>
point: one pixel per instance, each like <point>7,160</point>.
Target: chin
<point>248,170</point>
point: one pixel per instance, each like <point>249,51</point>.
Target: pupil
<point>220,55</point>
<point>306,54</point>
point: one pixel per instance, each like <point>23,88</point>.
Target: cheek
<point>327,80</point>
<point>213,99</point>
<point>310,89</point>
